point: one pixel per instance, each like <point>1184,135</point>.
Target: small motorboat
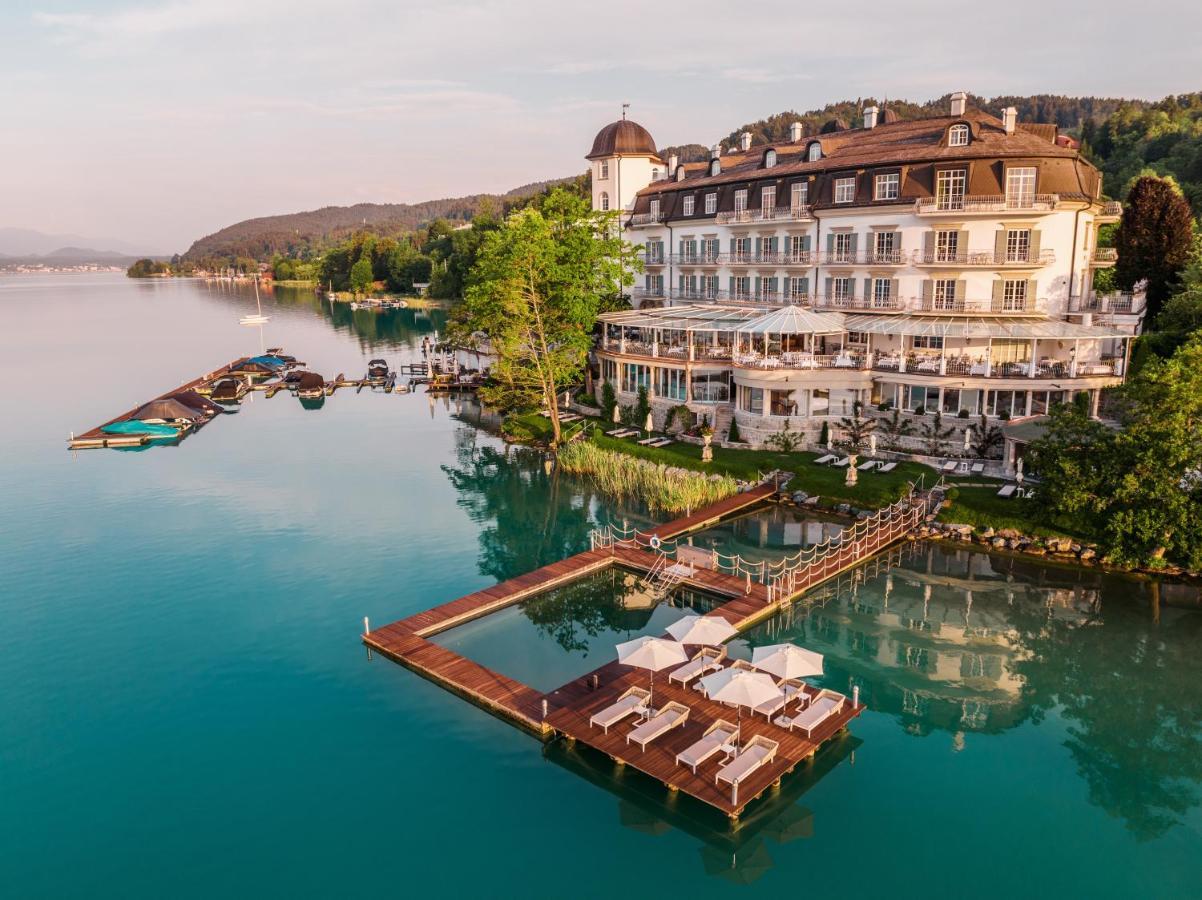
<point>310,386</point>
<point>377,368</point>
<point>228,390</point>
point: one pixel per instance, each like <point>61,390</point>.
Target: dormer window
<point>687,206</point>
<point>715,167</point>
<point>769,158</point>
<point>957,136</point>
<point>604,166</point>
<point>814,152</point>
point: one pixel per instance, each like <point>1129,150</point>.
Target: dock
<point>565,711</point>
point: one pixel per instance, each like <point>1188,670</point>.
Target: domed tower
<point>624,161</point>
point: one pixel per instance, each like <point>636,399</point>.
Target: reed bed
<point>663,488</point>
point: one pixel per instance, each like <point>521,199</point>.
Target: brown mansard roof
<point>894,143</point>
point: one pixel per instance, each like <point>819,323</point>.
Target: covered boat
<point>275,362</point>
<point>250,367</point>
<point>310,385</point>
<point>377,368</point>
<point>134,426</point>
<point>167,410</point>
<point>228,390</point>
<point>197,402</point>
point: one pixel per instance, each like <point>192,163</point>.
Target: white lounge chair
<point>629,703</point>
<point>978,468</point>
<point>662,442</point>
<point>710,743</point>
<point>620,432</point>
<point>789,692</point>
<point>948,467</point>
<point>650,440</point>
<point>759,751</point>
<point>737,664</point>
<point>824,459</point>
<point>1007,490</point>
<point>867,464</point>
<point>817,711</point>
<point>843,463</point>
<point>707,660</point>
<point>670,716</point>
<point>887,467</point>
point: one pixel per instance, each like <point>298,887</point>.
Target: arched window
<point>769,158</point>
<point>604,201</point>
<point>680,173</point>
<point>655,174</point>
<point>715,167</point>
<point>957,136</point>
<point>814,153</point>
<point>604,167</point>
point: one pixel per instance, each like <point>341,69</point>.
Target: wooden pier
<point>566,710</point>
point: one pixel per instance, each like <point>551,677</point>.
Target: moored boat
<point>310,386</point>
<point>228,390</point>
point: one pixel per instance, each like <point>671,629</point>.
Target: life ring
<point>655,542</point>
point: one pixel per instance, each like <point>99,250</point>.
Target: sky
<point>155,122</point>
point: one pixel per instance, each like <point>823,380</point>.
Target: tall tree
<point>1154,239</point>
<point>535,291</point>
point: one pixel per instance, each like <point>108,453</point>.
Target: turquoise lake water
<point>187,711</point>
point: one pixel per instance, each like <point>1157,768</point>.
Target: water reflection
<point>390,329</point>
<point>770,532</point>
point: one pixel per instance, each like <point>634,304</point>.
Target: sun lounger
<point>629,703</point>
<point>620,432</point>
<point>706,661</point>
<point>1007,490</point>
<point>710,743</point>
<point>887,467</point>
<point>868,464</point>
<point>667,718</point>
<point>948,467</point>
<point>569,417</point>
<point>662,442</point>
<point>647,441</point>
<point>817,711</point>
<point>758,752</point>
<point>978,468</point>
<point>789,692</point>
<point>843,463</point>
<point>823,460</point>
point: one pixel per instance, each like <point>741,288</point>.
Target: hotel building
<point>942,264</point>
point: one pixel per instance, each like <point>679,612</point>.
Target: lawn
<point>982,508</point>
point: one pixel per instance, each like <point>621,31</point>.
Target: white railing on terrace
<point>979,203</point>
<point>647,218</point>
<point>1112,209</point>
<point>779,214</point>
<point>1105,255</point>
<point>1121,303</point>
<point>862,258</point>
<point>992,307</point>
<point>989,258</point>
<point>858,304</point>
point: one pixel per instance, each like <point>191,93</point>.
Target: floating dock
<point>566,710</point>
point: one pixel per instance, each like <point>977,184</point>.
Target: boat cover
<point>133,426</point>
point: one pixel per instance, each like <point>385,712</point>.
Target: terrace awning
<point>978,327</point>
<point>691,317</point>
<point>795,320</point>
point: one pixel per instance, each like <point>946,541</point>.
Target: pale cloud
<point>144,22</point>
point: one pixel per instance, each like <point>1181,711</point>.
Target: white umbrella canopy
<point>708,630</point>
<point>787,661</point>
<point>745,688</point>
<point>649,425</point>
<point>617,416</point>
<point>653,654</point>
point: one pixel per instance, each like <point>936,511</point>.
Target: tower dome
<point>622,138</point>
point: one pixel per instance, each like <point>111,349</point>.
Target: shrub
<point>920,410</point>
<point>733,436</point>
<point>825,436</point>
<point>884,406</point>
<point>641,407</point>
<point>661,487</point>
<point>608,400</point>
<point>962,414</point>
<point>681,414</point>
<point>786,440</point>
<point>584,398</point>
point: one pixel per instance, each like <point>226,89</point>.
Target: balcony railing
<point>647,218</point>
<point>863,258</point>
<point>992,307</point>
<point>777,214</point>
<point>654,259</point>
<point>846,360</point>
<point>696,259</point>
<point>858,304</point>
<point>987,258</point>
<point>1111,209</point>
<point>979,203</point>
<point>1105,256</point>
<point>917,362</point>
<point>1119,303</point>
<point>778,258</point>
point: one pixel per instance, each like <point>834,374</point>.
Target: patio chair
<point>824,459</point>
<point>759,751</point>
<point>670,716</point>
<point>629,703</point>
<point>1007,490</point>
<point>817,711</point>
<point>887,467</point>
<point>707,660</point>
<point>710,743</point>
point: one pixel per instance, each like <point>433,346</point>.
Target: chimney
<point>745,141</point>
<point>959,103</point>
<point>673,162</point>
<point>870,113</point>
<point>715,151</point>
<point>795,131</point>
<point>1009,119</point>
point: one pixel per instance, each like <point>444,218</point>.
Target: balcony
<point>1111,211</point>
<point>654,259</point>
<point>928,362</point>
<point>981,204</point>
<point>1104,257</point>
<point>1114,303</point>
<point>864,258</point>
<point>1004,307</point>
<point>779,214</point>
<point>647,218</point>
<point>647,293</point>
<point>696,259</point>
<point>767,259</point>
<point>858,304</point>
<point>988,259</point>
<point>799,360</point>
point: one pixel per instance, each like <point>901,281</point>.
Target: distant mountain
<point>26,242</point>
<point>293,234</point>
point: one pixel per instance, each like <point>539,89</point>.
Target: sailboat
<point>330,293</point>
<point>258,319</point>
